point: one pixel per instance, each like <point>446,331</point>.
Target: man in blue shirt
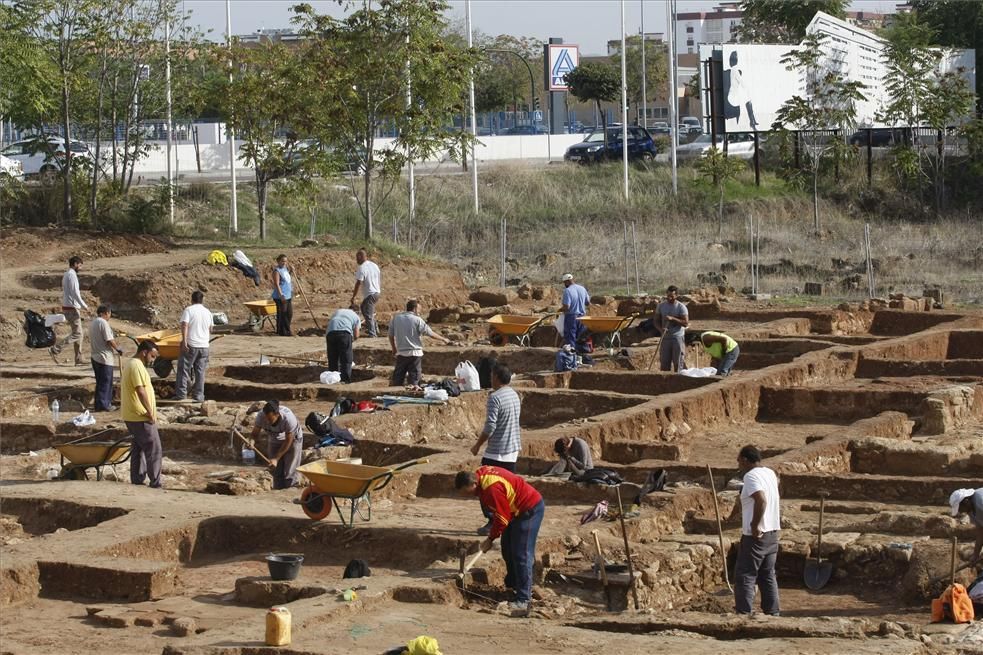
<point>342,331</point>
<point>575,301</point>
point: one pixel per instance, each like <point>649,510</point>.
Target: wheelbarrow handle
<point>387,476</point>
<point>409,464</point>
<point>94,434</point>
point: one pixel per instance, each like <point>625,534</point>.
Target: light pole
<point>624,100</point>
<point>474,123</point>
<point>232,133</point>
<point>673,121</point>
<point>641,28</point>
<point>170,122</point>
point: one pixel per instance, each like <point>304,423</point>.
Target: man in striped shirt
<point>517,511</point>
<point>501,429</point>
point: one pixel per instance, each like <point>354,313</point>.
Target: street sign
<point>537,116</point>
<point>563,59</point>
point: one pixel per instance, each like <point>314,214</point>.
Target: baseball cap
<point>957,497</point>
<point>566,276</point>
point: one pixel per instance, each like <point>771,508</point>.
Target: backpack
<point>328,432</point>
<point>485,366</point>
<point>953,605</point>
<point>357,568</point>
<point>343,406</point>
<point>449,385</point>
<point>565,361</point>
<point>38,334</point>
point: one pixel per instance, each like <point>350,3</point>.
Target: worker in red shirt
<point>517,512</point>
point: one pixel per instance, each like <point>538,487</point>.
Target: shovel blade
<point>817,574</point>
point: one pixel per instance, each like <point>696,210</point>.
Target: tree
<point>956,24</point>
<point>717,168</point>
<point>262,103</point>
<point>358,72</point>
<point>595,82</point>
<point>656,67</point>
<point>828,102</point>
<point>783,21</point>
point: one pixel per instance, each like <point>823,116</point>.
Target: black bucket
<point>284,567</point>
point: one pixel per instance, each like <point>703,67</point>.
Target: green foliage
<point>783,21</point>
<point>716,169</point>
<point>597,82</point>
<point>501,77</point>
<point>956,24</point>
<point>352,87</point>
<point>656,67</point>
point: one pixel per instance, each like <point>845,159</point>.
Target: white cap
<point>566,276</point>
<point>957,497</point>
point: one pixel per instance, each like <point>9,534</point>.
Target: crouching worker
<point>285,440</point>
<point>517,512</point>
<point>574,454</point>
<point>723,350</point>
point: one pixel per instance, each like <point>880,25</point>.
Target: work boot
<point>518,609</point>
<point>485,529</point>
<point>54,355</point>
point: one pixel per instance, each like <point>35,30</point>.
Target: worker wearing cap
<point>517,510</point>
<point>723,350</point>
<point>575,301</point>
<point>970,502</point>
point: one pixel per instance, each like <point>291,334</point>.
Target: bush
<point>198,192</point>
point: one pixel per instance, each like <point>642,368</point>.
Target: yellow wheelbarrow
<point>608,326</point>
<point>261,312</point>
<point>332,480</point>
<point>503,327</point>
<point>168,344</point>
<point>78,457</point>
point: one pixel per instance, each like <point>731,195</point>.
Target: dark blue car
<point>591,149</point>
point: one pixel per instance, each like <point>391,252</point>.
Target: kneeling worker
<point>517,512</point>
<point>285,442</point>
<point>723,350</point>
<point>574,454</point>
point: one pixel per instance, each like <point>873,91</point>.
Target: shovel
<point>817,572</point>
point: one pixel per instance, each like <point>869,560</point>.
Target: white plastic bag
<point>705,372</point>
<point>558,323</point>
<point>240,257</point>
<point>84,419</point>
<point>52,319</point>
<point>435,394</point>
<point>330,377</point>
<point>467,376</point>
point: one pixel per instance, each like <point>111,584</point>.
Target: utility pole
<point>170,122</point>
<point>624,100</point>
<point>232,133</point>
<point>474,124</point>
<point>641,29</point>
<point>411,171</point>
<point>673,101</point>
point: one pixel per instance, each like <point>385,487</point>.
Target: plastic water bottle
<point>248,456</point>
<point>54,410</point>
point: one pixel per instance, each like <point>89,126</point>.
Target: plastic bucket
<point>284,567</point>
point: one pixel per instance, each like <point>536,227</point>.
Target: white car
<point>37,157</point>
<point>739,146</point>
<point>10,169</point>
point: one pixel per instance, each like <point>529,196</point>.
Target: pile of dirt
<point>58,244</point>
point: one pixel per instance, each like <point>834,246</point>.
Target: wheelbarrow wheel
<point>163,367</point>
<point>316,505</point>
<point>496,338</point>
<point>73,473</point>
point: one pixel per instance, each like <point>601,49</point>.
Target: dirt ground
<point>116,566</point>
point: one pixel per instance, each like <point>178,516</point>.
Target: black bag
<point>38,334</point>
<point>485,366</point>
<point>598,476</point>
<point>318,424</point>
<point>343,406</point>
<point>357,568</point>
<point>451,386</point>
<point>325,429</point>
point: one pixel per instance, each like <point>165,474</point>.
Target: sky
<point>587,23</point>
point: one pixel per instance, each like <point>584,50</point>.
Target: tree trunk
<point>604,127</point>
<point>95,162</point>
<point>815,200</point>
<point>261,184</point>
<point>720,210</point>
<point>368,204</point>
<point>67,172</point>
<point>114,117</point>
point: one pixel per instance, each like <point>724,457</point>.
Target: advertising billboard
<point>563,58</point>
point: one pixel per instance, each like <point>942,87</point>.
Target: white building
<point>756,83</point>
<point>697,27</point>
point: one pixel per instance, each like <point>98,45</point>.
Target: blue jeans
<point>519,551</point>
<point>572,329</point>
<point>191,367</point>
<point>104,386</point>
<point>727,363</point>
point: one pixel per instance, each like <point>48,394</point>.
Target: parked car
<point>880,137</point>
<point>739,146</point>
<point>525,130</point>
<point>660,127</point>
<point>45,155</point>
<point>591,149</point>
<point>691,125</point>
<point>10,169</point>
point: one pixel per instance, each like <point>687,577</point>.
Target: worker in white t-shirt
<point>761,522</point>
<point>196,331</point>
<point>368,278</point>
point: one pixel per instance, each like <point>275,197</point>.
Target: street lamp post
<point>234,225</point>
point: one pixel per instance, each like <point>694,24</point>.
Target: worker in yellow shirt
<point>138,406</point>
<point>723,350</point>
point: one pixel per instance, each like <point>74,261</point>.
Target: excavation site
<point>869,413</point>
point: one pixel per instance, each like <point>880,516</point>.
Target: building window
<point>689,29</point>
<point>689,42</point>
